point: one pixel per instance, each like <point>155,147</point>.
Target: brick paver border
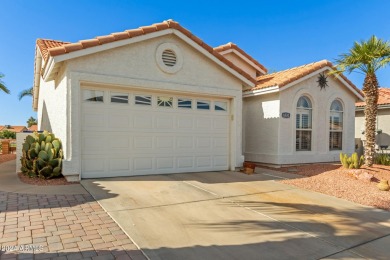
<point>60,227</point>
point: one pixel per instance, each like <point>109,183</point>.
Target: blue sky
<point>279,34</point>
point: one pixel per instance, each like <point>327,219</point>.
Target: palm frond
<point>25,93</point>
<point>2,85</point>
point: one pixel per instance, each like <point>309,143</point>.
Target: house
<point>157,100</point>
<point>383,123</point>
<point>33,128</point>
<point>13,128</point>
<point>299,115</point>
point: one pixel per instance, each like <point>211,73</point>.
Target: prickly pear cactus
<point>42,156</point>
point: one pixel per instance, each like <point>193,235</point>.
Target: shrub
<point>42,156</point>
<point>382,158</point>
<point>6,134</point>
<point>353,162</point>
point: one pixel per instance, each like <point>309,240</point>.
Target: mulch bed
<point>7,157</point>
<point>334,180</point>
<point>41,182</point>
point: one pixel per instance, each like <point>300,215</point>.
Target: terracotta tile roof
<point>14,128</point>
<point>44,45</point>
<point>282,78</point>
<point>233,46</point>
<point>383,98</point>
<point>55,48</point>
<point>33,128</point>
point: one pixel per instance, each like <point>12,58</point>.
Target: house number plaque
<point>286,115</point>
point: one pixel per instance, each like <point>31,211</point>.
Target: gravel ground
<point>7,157</point>
<point>334,180</point>
<point>41,182</point>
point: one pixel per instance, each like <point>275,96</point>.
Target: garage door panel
<point>143,142</point>
<point>185,163</point>
<point>221,161</point>
<point>143,121</point>
<point>118,122</point>
<point>186,122</point>
<point>165,163</point>
<point>129,139</point>
<point>203,162</point>
<point>164,121</point>
<point>165,142</point>
<point>120,165</point>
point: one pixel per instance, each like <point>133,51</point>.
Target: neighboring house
<point>33,128</point>
<point>13,128</point>
<point>158,100</point>
<point>382,123</point>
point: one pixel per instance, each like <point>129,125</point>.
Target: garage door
<point>135,133</point>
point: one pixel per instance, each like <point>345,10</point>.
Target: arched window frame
<point>303,124</point>
<point>336,119</point>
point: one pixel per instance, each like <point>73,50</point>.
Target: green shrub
<point>353,162</point>
<point>6,134</point>
<point>382,158</point>
<point>42,156</point>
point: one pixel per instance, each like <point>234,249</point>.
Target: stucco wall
<point>52,107</point>
<point>272,140</point>
<point>261,127</point>
<point>134,66</point>
<point>321,102</point>
<point>383,123</point>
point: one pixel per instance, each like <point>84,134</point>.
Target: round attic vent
<point>169,58</point>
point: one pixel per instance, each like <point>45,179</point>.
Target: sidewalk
<point>56,222</point>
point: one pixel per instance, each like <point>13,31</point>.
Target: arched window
<point>336,126</point>
<point>303,124</point>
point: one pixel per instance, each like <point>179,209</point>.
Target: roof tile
<point>59,48</point>
<point>383,98</point>
<point>282,78</point>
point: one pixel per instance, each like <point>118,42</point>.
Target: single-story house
<point>382,123</point>
<point>13,128</point>
<point>158,99</point>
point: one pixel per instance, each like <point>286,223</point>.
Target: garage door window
<point>120,98</point>
<point>143,100</point>
<point>93,95</point>
<point>220,106</point>
<point>203,105</point>
<point>184,103</point>
<point>164,101</point>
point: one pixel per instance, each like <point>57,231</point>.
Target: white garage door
<point>135,133</point>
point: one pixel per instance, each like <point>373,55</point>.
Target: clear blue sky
<point>279,34</point>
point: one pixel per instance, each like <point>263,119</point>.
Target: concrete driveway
<point>229,215</point>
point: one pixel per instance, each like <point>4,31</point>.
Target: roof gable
<point>285,78</point>
<point>233,47</point>
<point>54,49</point>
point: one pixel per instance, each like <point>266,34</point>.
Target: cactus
<point>42,156</point>
<point>353,162</point>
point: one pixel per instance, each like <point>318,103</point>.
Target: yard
<point>334,180</point>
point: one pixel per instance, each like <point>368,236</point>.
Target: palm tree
<point>367,57</point>
<point>2,85</point>
<point>31,121</point>
<point>26,93</point>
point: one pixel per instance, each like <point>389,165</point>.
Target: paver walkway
<point>46,224</point>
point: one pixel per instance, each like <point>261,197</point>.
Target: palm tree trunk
<point>370,90</point>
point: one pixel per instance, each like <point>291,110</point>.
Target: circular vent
<point>169,58</point>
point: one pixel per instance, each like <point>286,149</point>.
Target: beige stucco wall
<point>285,128</point>
<point>134,67</point>
<point>240,63</point>
<point>52,107</point>
<point>261,128</point>
<point>383,123</point>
